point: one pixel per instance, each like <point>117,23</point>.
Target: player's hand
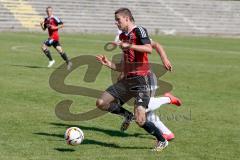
<point>115,43</point>
<point>123,45</point>
<point>42,23</point>
<point>104,60</point>
<point>167,64</point>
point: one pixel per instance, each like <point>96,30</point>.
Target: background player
<point>53,23</point>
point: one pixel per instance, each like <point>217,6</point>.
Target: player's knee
<point>43,47</point>
<point>59,50</point>
<point>100,104</point>
<point>140,120</point>
<point>140,116</point>
<point>140,123</point>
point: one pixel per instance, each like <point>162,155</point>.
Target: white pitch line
<point>17,47</point>
<point>22,47</point>
<point>173,47</point>
<point>204,49</point>
<point>218,66</point>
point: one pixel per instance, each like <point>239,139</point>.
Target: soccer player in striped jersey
<point>53,24</point>
<point>136,46</point>
<point>155,102</point>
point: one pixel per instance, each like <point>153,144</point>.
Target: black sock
<point>118,109</point>
<point>153,130</point>
<point>64,57</point>
<point>48,54</point>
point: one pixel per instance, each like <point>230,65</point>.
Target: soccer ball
<point>74,136</point>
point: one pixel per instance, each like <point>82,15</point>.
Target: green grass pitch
<point>206,77</point>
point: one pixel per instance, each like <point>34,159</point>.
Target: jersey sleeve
<point>142,34</point>
<point>57,20</point>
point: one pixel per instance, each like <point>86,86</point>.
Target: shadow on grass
<point>28,66</point>
<point>50,134</point>
<point>64,149</point>
<point>111,145</point>
<point>92,141</point>
<point>113,133</point>
<point>88,142</point>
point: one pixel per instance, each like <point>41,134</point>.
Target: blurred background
<point>189,17</point>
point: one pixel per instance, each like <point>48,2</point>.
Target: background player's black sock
<point>153,130</point>
<point>48,54</point>
<point>64,57</point>
<point>118,109</point>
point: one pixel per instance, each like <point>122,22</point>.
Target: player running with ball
<point>136,69</point>
<point>53,24</point>
<point>155,102</point>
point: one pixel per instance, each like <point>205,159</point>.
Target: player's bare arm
<point>167,64</point>
<point>106,62</point>
<point>142,48</point>
<point>42,25</point>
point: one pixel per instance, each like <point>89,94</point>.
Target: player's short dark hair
<point>126,12</point>
<point>48,7</point>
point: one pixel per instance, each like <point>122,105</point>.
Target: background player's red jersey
<point>53,21</point>
<point>136,63</point>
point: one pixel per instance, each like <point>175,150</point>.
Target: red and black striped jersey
<point>135,63</point>
<point>52,21</point>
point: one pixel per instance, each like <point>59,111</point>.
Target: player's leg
<point>140,117</point>
<point>46,51</point>
<point>64,56</point>
<point>142,97</point>
<point>167,133</point>
<point>119,91</point>
<point>157,102</point>
<point>103,102</point>
<point>62,53</point>
<point>154,104</point>
<point>127,119</point>
<point>108,101</point>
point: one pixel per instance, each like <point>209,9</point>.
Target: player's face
<point>49,12</point>
<point>121,22</point>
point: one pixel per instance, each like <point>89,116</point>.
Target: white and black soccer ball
<point>74,136</point>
